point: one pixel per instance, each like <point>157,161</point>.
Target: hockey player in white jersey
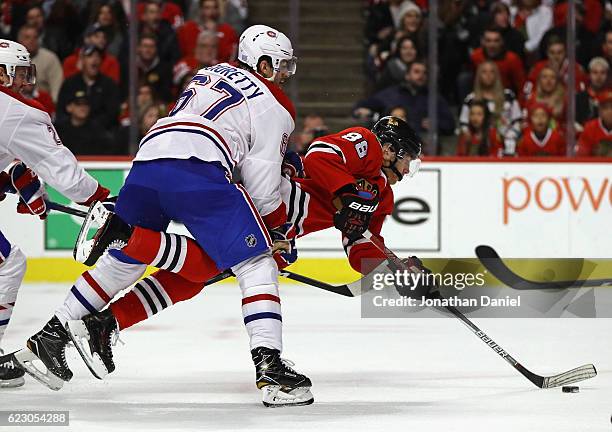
<point>29,145</point>
<point>228,120</point>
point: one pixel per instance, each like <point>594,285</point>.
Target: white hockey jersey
<point>232,116</point>
<point>27,134</point>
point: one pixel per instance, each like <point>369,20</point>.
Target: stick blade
<point>580,373</point>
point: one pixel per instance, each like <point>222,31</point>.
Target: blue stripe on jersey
<point>262,315</point>
<point>5,247</point>
<point>198,132</point>
<point>3,322</point>
<point>83,300</point>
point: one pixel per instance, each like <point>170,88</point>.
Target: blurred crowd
<point>81,52</point>
<point>503,73</point>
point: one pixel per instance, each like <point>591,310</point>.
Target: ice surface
<point>190,369</point>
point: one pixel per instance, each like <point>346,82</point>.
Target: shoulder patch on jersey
<point>279,94</point>
<point>29,102</point>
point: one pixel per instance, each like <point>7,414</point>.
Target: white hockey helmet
<point>14,55</point>
<point>260,40</point>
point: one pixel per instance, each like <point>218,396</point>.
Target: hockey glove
<point>285,259</point>
<point>280,242</point>
<point>24,182</point>
<point>293,165</point>
<point>355,213</point>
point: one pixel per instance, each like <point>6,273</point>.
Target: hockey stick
<point>65,209</point>
<point>578,374</point>
<point>492,262</point>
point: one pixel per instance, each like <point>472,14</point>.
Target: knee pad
<point>12,271</point>
<point>259,270</point>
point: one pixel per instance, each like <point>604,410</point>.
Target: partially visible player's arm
<point>35,142</point>
<point>362,254</point>
<point>261,170</point>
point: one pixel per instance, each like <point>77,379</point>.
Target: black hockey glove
<point>355,213</point>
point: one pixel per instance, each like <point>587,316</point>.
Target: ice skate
<point>11,374</point>
<point>47,348</point>
<point>280,384</point>
<point>112,233</point>
<point>92,337</point>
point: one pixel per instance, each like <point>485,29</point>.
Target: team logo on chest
<point>251,240</point>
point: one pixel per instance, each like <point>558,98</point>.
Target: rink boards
<point>523,208</point>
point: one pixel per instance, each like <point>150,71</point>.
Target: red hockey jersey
<point>553,143</point>
<point>595,140</point>
<point>334,161</point>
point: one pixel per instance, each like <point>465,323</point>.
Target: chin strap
<point>395,171</point>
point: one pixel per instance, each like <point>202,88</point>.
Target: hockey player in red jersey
<point>346,184</point>
<point>27,136</point>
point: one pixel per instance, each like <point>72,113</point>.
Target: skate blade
<point>12,383</point>
<point>80,337</point>
<point>274,397</point>
<point>26,359</point>
<point>96,218</point>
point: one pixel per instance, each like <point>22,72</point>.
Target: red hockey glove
<point>100,194</point>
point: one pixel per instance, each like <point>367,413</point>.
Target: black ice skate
<point>48,347</point>
<point>280,384</point>
<point>112,233</point>
<point>11,374</point>
<point>92,337</point>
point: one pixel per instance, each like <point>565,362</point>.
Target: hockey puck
<point>570,389</point>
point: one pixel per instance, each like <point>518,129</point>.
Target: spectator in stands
<point>509,64</point>
<point>395,68</point>
<point>514,40</point>
<point>152,25</point>
<point>541,137</point>
<point>550,91</point>
<point>313,127</point>
<point>479,137</point>
<point>148,114</point>
<point>557,61</point>
<point>146,96</point>
<point>236,14</point>
<point>596,139</point>
<point>205,55</point>
<point>412,93</point>
<point>170,12</point>
<point>383,18</point>
<point>399,112</point>
<point>503,108</point>
<point>81,134</point>
<point>532,18</point>
<point>586,100</point>
<point>151,70</point>
<point>48,68</point>
<point>106,17</point>
<point>41,96</point>
<point>51,38</point>
<point>94,35</point>
<point>101,91</point>
<point>411,25</point>
<point>209,20</point>
<point>606,50</point>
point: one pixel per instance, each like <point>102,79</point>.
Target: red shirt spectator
<point>479,138</point>
<point>557,61</point>
<point>592,14</point>
<point>96,36</point>
<point>596,139</point>
<point>205,54</point>
<point>540,138</point>
<point>209,20</point>
<point>509,64</point>
<point>109,66</point>
<point>549,91</point>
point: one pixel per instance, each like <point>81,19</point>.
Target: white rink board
<point>523,209</point>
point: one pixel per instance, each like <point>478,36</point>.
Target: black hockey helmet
<point>403,139</point>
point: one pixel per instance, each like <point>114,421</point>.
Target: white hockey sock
<point>261,309</point>
<point>12,271</point>
<point>95,288</point>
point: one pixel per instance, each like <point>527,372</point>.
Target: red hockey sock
<point>173,252</point>
<point>152,295</point>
